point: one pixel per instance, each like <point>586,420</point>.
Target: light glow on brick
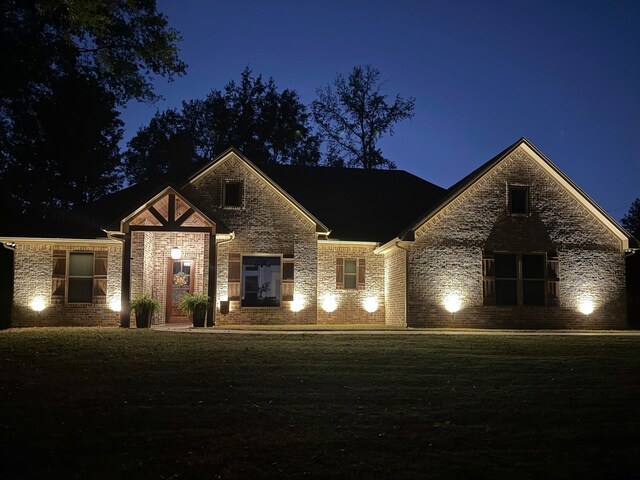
<point>297,304</point>
<point>38,304</point>
<point>586,306</point>
<point>453,302</point>
<point>115,304</point>
<point>329,304</point>
<point>371,304</point>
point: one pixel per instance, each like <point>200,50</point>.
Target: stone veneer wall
<point>150,254</point>
<point>395,284</point>
<point>350,303</point>
<point>267,224</point>
<point>33,273</point>
<point>446,256</point>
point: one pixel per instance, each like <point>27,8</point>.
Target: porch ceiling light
<point>452,302</point>
<point>176,253</point>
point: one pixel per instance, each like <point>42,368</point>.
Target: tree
<point>57,52</point>
<point>631,221</point>
<point>265,124</point>
<point>354,115</point>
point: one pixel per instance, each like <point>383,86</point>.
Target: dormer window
<point>518,200</point>
<point>233,190</point>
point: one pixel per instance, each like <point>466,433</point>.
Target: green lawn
<point>89,403</point>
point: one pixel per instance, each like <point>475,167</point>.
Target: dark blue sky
<point>565,74</point>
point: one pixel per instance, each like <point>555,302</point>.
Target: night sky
<point>564,74</point>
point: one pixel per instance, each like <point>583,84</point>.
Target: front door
<point>179,282</point>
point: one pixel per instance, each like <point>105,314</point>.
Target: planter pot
<point>143,318</point>
<point>198,317</point>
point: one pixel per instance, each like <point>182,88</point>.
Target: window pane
<point>233,194</point>
<point>350,266</point>
<point>261,281</point>
<point>506,292</point>
<point>350,281</point>
<point>518,200</point>
<point>533,292</point>
<point>80,290</point>
<point>81,264</point>
<point>533,266</point>
<point>506,265</point>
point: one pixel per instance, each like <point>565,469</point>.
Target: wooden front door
<point>179,282</point>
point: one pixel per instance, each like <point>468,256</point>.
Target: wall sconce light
<point>115,304</point>
<point>371,304</point>
<point>586,306</point>
<point>176,253</point>
<point>38,304</point>
<point>329,304</point>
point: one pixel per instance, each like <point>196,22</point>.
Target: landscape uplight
<point>115,304</point>
<point>452,302</point>
<point>586,306</point>
<point>297,304</point>
<point>38,304</point>
<point>329,304</point>
<point>371,304</point>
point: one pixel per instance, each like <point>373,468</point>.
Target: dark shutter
<point>362,271</point>
<point>553,279</point>
<point>287,278</point>
<point>234,277</point>
<point>488,279</point>
<point>339,273</point>
<point>59,276</point>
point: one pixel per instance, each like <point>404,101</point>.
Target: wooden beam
<point>158,215</point>
<point>213,279</point>
<point>125,285</point>
<point>172,208</point>
<point>185,216</point>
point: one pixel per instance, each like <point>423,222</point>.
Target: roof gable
<point>460,188</point>
<point>233,153</point>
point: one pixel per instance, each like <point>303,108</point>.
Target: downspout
<point>406,281</point>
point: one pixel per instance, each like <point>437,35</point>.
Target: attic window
<point>519,200</point>
<point>233,193</point>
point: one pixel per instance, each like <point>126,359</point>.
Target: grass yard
<point>91,403</point>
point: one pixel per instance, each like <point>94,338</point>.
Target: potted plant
<point>195,304</point>
<point>144,306</point>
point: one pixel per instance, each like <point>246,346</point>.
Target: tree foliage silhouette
<point>354,114</point>
<point>631,221</point>
<point>71,63</point>
<point>265,124</point>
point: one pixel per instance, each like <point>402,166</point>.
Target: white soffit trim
<point>331,241</point>
<point>77,241</point>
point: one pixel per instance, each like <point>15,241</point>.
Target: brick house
<point>515,244</point>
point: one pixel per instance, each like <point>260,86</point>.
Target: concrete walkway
<point>407,331</point>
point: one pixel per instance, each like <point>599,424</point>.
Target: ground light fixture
<point>176,253</point>
<point>452,302</point>
<point>38,304</point>
<point>586,306</point>
<point>297,304</point>
<point>371,304</point>
<point>115,304</point>
<point>329,304</point>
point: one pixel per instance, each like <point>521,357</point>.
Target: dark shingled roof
<point>357,204</point>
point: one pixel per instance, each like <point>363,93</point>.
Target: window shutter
<point>59,276</point>
<point>488,279</point>
<point>339,273</point>
<point>100,277</point>
<point>362,270</point>
<point>233,286</point>
<point>553,278</point>
<point>288,272</point>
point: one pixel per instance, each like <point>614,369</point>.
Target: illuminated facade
<point>514,245</point>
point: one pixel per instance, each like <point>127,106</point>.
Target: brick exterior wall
<point>446,256</point>
<point>350,303</point>
<point>266,224</point>
<point>33,278</point>
<point>150,255</point>
<point>395,281</point>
